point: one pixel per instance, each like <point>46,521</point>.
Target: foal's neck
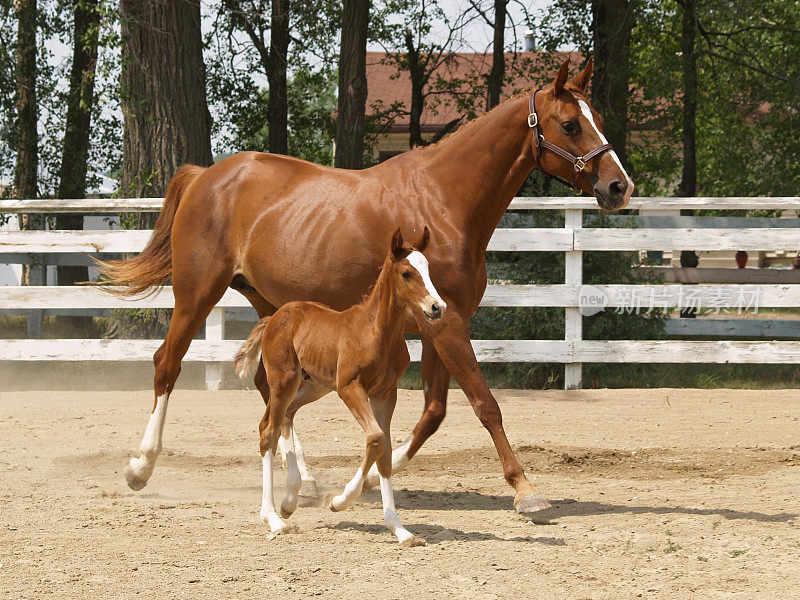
<point>385,310</point>
<point>482,166</point>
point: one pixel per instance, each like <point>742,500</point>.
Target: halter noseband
<point>578,162</point>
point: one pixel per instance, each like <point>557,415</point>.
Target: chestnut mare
<point>279,229</point>
<point>359,352</point>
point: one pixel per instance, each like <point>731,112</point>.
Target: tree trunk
<point>27,138</point>
<point>612,21</point>
<point>163,86</point>
<point>80,99</point>
<point>278,106</point>
<point>417,99</point>
<point>494,84</point>
<point>688,185</point>
<point>352,85</point>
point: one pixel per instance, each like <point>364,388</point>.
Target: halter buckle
<point>535,120</point>
<point>579,164</point>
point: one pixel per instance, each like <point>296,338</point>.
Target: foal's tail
<point>247,355</point>
<point>152,268</point>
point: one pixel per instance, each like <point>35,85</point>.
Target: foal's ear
<point>423,240</point>
<point>561,78</point>
<point>582,79</point>
<point>397,243</point>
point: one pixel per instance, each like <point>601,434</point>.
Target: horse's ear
<point>561,78</point>
<point>423,240</point>
<point>582,79</point>
<point>397,242</point>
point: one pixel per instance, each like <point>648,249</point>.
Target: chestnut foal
<point>359,352</point>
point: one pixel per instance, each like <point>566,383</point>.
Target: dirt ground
<point>660,494</point>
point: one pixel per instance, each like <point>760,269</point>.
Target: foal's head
<point>410,278</point>
<point>567,120</point>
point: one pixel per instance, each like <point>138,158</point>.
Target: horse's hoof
<point>532,505</point>
<point>135,482</point>
<point>309,490</point>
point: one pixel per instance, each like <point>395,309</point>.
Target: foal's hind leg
<point>284,379</point>
<point>308,392</point>
<point>194,300</point>
<point>297,474</point>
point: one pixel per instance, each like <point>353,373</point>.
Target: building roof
<point>385,86</point>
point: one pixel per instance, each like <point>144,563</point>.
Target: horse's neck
<point>482,166</point>
<point>384,307</point>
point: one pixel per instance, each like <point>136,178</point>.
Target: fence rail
<point>572,239</point>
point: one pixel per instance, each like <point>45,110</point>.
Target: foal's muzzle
<point>435,310</point>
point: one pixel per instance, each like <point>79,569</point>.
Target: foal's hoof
<point>533,505</point>
<point>287,512</point>
<point>412,541</point>
<point>135,482</point>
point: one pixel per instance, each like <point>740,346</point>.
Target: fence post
<point>573,321</point>
<point>215,331</point>
<point>37,275</point>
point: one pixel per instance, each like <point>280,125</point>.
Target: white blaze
<point>420,263</point>
<point>587,112</point>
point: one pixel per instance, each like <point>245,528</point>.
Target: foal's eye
<point>570,126</point>
<point>406,274</point>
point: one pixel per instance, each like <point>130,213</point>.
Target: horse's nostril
<point>617,188</point>
<point>435,308</point>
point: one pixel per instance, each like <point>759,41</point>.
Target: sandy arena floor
<point>660,494</point>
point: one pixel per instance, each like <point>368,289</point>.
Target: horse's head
<point>563,120</point>
<point>411,279</point>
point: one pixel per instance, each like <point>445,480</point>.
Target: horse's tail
<point>152,268</point>
<point>247,355</point>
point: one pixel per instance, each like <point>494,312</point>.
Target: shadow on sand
<point>470,500</point>
<point>436,534</point>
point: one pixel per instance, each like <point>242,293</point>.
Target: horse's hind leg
<point>192,306</point>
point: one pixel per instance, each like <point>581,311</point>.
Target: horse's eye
<point>569,126</point>
<point>406,274</point>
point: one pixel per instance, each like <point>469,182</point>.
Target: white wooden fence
<point>572,239</point>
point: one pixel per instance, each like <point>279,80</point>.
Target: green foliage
<point>311,97</point>
<point>747,105</point>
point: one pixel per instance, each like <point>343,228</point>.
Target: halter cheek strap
<point>578,162</point>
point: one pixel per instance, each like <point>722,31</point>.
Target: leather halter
<point>578,162</point>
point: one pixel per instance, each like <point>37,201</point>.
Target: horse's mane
<point>475,120</point>
<point>571,89</point>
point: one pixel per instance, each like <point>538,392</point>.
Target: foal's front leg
<point>355,397</point>
<point>384,408</point>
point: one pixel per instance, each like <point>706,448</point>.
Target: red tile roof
<point>386,86</point>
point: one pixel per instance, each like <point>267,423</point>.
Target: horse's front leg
<point>451,339</point>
